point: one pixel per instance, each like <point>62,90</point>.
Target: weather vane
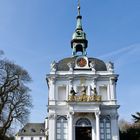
<point>78,7</point>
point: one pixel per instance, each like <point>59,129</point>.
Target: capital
<point>114,116</point>
<point>52,116</point>
<point>113,80</point>
<point>97,113</point>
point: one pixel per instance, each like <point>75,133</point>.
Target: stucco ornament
<point>70,65</point>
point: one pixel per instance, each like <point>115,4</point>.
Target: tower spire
<point>79,17</point>
<point>79,42</point>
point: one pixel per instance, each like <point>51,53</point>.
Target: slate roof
<point>32,129</point>
<point>62,64</point>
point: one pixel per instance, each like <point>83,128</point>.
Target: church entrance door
<point>83,133</point>
<point>83,129</point>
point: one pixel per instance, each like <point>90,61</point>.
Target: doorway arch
<point>83,129</point>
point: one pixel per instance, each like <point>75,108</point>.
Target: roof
<point>32,129</point>
<point>62,64</point>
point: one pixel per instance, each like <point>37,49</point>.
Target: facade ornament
<point>52,116</point>
<point>110,67</point>
<point>70,65</point>
<point>71,80</point>
<point>84,98</point>
<point>53,66</point>
<point>70,114</point>
<point>92,65</point>
<point>95,80</point>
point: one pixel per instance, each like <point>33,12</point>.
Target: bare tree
<point>124,125</point>
<point>136,117</point>
<point>15,100</point>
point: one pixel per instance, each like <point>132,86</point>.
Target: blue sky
<point>33,33</point>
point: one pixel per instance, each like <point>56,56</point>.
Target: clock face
<point>81,62</point>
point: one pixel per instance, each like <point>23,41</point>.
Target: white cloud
<point>132,49</point>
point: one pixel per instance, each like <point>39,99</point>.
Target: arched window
<point>61,128</point>
<point>83,122</point>
<point>105,128</point>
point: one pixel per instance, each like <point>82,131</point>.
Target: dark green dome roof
<point>62,65</point>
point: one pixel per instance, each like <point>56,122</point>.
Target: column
<point>52,126</point>
<point>97,114</point>
<point>93,127</point>
<point>114,126</point>
<point>88,90</point>
<point>70,130</point>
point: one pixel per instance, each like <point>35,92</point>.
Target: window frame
<point>105,128</point>
<point>61,128</point>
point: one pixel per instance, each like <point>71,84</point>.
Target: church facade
<point>82,102</point>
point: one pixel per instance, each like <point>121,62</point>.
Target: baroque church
<point>82,102</point>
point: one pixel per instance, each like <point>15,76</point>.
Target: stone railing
<point>84,98</point>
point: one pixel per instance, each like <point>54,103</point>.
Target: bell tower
<point>79,42</point>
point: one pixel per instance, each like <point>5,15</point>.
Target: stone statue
<point>72,91</point>
<point>94,91</point>
<point>92,65</point>
<point>70,66</point>
<point>83,91</point>
<point>53,66</point>
<point>110,66</point>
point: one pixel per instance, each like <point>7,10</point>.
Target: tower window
<point>105,128</point>
<point>33,130</point>
<point>79,48</point>
<point>61,127</point>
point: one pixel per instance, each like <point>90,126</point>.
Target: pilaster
<point>97,116</point>
<point>114,126</point>
<point>113,81</point>
<point>52,81</point>
<point>52,126</point>
<point>70,129</point>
